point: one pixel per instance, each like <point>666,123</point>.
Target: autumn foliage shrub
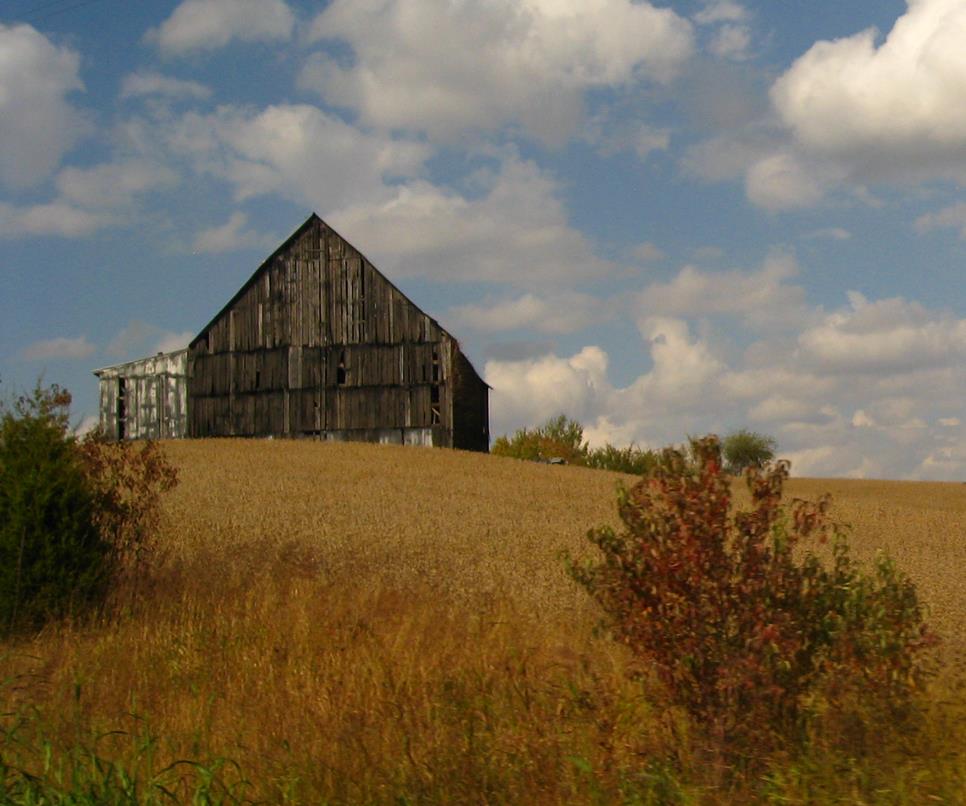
<point>747,630</point>
<point>127,480</point>
<point>77,517</point>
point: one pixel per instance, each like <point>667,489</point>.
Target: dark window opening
<point>435,366</point>
<point>258,379</point>
<point>121,408</point>
<point>340,372</point>
<point>435,418</point>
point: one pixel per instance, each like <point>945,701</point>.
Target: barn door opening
<point>341,370</point>
<point>435,418</point>
<point>121,407</point>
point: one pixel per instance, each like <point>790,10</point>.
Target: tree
<point>76,517</point>
<point>53,558</point>
<point>743,449</point>
<point>631,459</point>
<point>559,437</point>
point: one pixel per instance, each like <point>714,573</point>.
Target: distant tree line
<point>562,438</point>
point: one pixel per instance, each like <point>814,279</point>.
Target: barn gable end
<point>318,344</point>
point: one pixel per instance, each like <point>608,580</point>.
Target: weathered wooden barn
<point>318,344</point>
<point>145,399</point>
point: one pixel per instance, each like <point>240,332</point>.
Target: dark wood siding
<point>318,342</point>
<point>471,430</point>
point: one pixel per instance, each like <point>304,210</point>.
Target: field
<point>358,623</point>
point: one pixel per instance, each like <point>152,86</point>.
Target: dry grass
<point>922,526</point>
<point>372,624</point>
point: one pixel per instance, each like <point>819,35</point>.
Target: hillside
<point>481,525</point>
<point>365,623</point>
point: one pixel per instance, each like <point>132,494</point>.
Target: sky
<point>660,218</point>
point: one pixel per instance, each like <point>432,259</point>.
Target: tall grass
<point>336,623</point>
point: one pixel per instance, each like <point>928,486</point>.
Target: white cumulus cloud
<point>515,231</point>
<point>953,217</point>
<point>59,348</point>
<point>760,297</point>
<point>296,151</point>
<point>829,234</point>
<point>151,83</point>
<point>169,342</point>
<point>528,392</point>
<point>56,218</point>
<point>231,236</point>
<point>532,60</point>
<point>509,224</point>
<point>784,181</point>
<point>210,24</point>
<point>857,112</point>
<point>872,390</point>
<point>902,97</point>
<point>567,312</point>
<point>38,125</point>
<point>112,185</point>
<point>731,42</point>
<point>683,366</point>
<point>138,338</point>
<point>88,199</point>
<point>717,11</point>
<point>884,335</point>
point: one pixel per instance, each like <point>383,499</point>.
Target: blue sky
<point>661,219</point>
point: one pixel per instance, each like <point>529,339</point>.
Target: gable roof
<point>312,220</point>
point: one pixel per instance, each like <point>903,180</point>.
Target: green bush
<point>563,438</point>
<point>630,459</point>
<point>749,633</point>
<point>743,449</point>
<point>53,558</point>
<point>559,437</point>
<point>76,517</point>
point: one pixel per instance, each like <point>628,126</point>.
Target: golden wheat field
<point>337,623</point>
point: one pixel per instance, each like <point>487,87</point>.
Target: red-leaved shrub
<point>748,631</point>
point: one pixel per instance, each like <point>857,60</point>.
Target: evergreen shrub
<point>76,516</point>
<point>53,558</point>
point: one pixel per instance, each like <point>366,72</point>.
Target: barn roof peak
<point>313,219</point>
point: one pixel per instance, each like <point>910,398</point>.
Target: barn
<point>145,399</point>
<point>318,343</point>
